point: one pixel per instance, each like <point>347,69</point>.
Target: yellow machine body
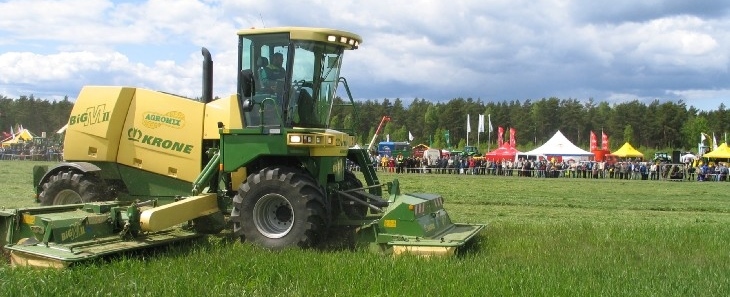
<point>148,130</point>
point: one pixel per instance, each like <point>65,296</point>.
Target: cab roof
<point>349,40</point>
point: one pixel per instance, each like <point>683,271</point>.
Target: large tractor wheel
<point>69,187</point>
<point>353,210</point>
<point>278,208</point>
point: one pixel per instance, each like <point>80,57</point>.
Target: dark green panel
<point>240,149</point>
<point>144,183</point>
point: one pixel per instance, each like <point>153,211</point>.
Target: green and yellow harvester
<point>145,168</point>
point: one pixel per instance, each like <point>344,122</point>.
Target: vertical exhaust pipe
<point>207,77</point>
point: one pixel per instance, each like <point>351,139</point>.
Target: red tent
<point>504,152</point>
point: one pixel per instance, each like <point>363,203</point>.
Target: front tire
<point>278,208</point>
<point>69,187</point>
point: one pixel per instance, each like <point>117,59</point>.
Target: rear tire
<point>278,208</point>
<point>69,187</point>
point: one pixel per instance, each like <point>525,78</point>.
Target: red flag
<point>604,140</point>
<point>500,136</point>
<point>512,141</point>
<point>594,142</point>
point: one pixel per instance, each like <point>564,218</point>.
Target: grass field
<point>555,237</point>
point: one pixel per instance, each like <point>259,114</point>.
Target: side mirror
<point>247,105</point>
<point>247,88</point>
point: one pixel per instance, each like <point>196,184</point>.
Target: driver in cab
<point>273,74</point>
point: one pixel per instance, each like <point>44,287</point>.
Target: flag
<point>512,141</point>
<point>387,137</point>
<point>702,137</point>
<point>11,130</point>
<point>604,141</point>
<point>410,136</point>
<point>594,142</point>
<point>500,136</point>
<point>480,128</point>
<point>714,141</point>
<point>490,123</point>
<point>468,125</point>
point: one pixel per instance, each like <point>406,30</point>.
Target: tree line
<point>36,115</point>
<point>657,125</point>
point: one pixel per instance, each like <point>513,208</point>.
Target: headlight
<point>295,138</point>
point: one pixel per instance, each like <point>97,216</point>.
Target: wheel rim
<point>67,197</point>
<point>273,216</point>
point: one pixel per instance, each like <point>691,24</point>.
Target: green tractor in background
<point>662,157</point>
<point>471,151</point>
<point>145,168</point>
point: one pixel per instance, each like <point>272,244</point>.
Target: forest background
<point>654,126</point>
<point>657,126</point>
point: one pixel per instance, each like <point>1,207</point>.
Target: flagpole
<point>468,129</point>
<point>489,141</point>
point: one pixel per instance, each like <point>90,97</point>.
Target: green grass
<point>555,237</point>
<point>16,183</point>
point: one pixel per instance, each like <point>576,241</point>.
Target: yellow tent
<point>627,151</point>
<point>721,152</point>
<point>24,135</point>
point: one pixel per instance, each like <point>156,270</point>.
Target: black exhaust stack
<point>207,77</point>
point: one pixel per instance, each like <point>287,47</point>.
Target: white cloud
<point>495,49</point>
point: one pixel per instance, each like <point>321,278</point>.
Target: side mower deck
<point>59,236</point>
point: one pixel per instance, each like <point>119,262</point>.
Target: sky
<point>494,50</point>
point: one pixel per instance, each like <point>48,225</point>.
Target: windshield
<point>295,80</point>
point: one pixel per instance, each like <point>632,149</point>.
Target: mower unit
<point>416,224</point>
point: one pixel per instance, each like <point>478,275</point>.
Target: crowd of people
<point>31,151</point>
<point>630,169</point>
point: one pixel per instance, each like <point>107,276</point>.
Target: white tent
<point>688,158</point>
<point>558,145</point>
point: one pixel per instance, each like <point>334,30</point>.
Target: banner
<point>594,142</point>
<point>480,128</point>
<point>490,123</point>
<point>500,136</point>
<point>410,136</point>
<point>512,141</point>
<point>604,141</point>
<point>468,126</point>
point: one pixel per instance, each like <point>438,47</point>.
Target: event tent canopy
<point>627,151</point>
<point>23,135</point>
<point>558,145</point>
<point>721,152</point>
<point>504,152</point>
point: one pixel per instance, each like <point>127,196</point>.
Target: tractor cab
<point>288,76</point>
